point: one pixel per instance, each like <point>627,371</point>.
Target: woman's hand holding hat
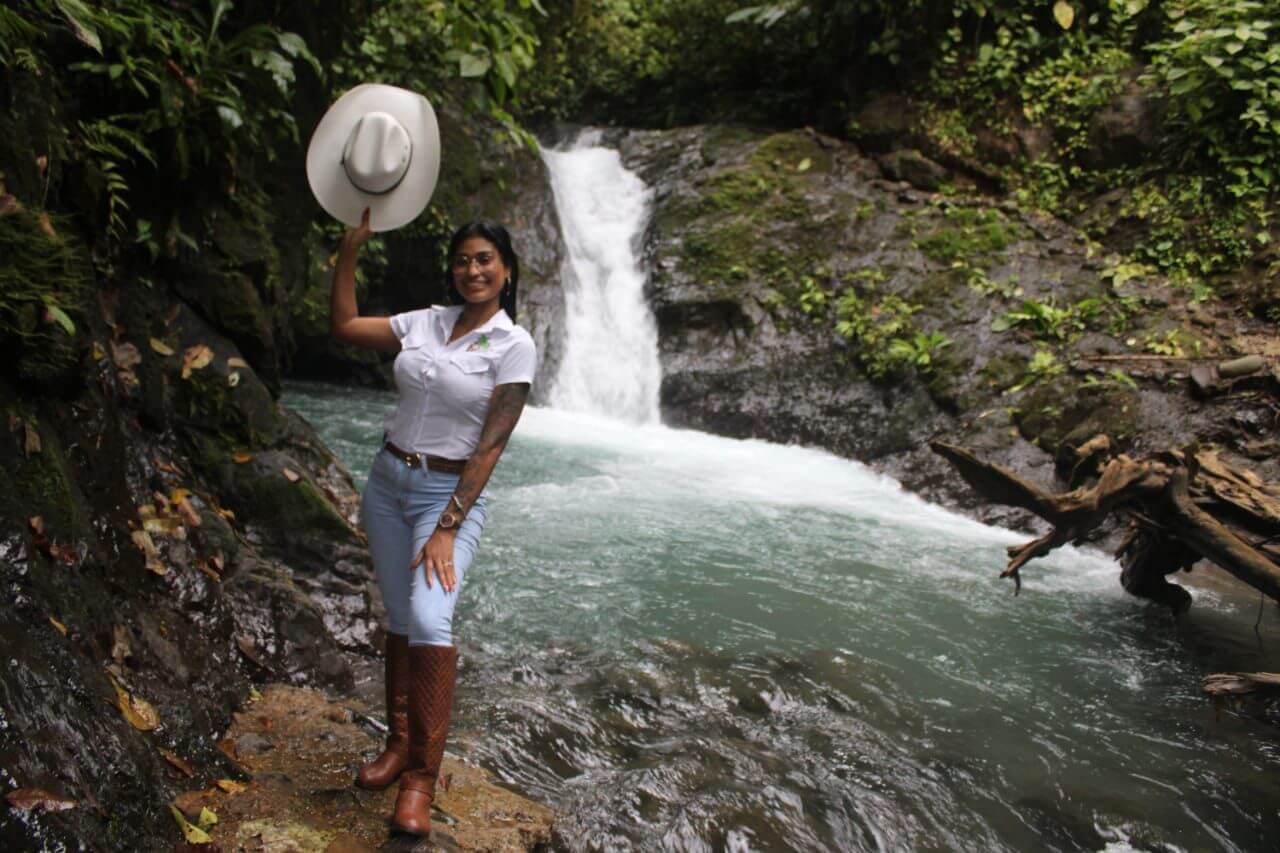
<point>357,236</point>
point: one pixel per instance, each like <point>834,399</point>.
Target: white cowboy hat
<point>377,147</point>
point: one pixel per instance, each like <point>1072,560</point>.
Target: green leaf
<point>61,317</point>
<point>506,69</point>
<point>78,15</point>
<point>230,117</point>
<point>1064,13</point>
<point>470,65</point>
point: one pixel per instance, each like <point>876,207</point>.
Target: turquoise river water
<point>693,643</point>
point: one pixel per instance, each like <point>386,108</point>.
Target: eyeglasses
<point>461,263</point>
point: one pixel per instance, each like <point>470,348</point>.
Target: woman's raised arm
<point>345,323</point>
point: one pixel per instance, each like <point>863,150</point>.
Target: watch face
<point>448,520</point>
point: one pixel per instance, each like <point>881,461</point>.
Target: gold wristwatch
<point>449,519</point>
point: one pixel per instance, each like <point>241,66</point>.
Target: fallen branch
<point>1182,507</point>
<point>1238,683</point>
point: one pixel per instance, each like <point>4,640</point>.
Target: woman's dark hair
<point>498,236</point>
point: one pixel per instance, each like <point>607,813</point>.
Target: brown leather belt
<point>433,463</point>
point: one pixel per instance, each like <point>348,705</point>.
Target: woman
<point>463,375</point>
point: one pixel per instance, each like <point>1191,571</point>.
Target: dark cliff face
<point>169,535</point>
<point>803,296</point>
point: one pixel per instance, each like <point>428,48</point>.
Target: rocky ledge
<point>806,292</point>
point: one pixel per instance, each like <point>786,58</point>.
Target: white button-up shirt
<point>445,387</point>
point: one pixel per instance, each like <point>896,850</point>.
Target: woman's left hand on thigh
<point>437,556</point>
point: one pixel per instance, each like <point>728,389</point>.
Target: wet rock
<point>1126,132</point>
<point>1034,141</point>
<point>913,167</point>
<point>996,147</point>
<point>886,122</point>
<point>252,743</point>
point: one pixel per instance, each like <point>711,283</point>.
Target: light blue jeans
<point>399,510</point>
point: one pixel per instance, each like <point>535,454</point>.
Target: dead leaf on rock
<point>125,355</point>
<point>161,347</point>
<point>143,540</point>
<point>179,763</point>
<point>164,526</point>
<point>31,440</point>
<point>231,786</point>
<point>189,513</point>
<point>247,649</point>
<point>137,711</point>
<point>291,475</point>
<point>195,358</point>
<point>241,458</point>
<point>62,629</point>
<point>237,363</point>
<point>27,799</point>
<point>193,833</point>
<point>98,352</point>
<point>120,646</point>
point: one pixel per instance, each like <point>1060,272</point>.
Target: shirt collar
<point>498,322</point>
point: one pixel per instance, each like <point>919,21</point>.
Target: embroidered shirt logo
<point>480,344</point>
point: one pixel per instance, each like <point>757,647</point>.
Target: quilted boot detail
<point>432,670</point>
<point>386,768</point>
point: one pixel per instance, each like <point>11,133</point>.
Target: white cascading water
<point>610,364</point>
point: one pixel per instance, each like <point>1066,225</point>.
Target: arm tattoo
<point>505,407</point>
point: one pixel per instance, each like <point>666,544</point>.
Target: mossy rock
<point>1003,371</point>
<point>229,300</point>
<point>790,151</point>
<point>975,235</point>
<point>1061,409</point>
<point>41,482</point>
<point>262,494</point>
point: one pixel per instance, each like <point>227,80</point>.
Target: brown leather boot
<point>386,768</point>
<point>431,675</point>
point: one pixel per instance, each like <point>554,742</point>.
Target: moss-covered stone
<point>973,235</point>
<point>796,151</point>
<point>262,494</point>
<point>1055,410</point>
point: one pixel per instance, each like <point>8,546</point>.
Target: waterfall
<point>610,364</point>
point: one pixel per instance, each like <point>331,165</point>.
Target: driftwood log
<point>1181,506</point>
